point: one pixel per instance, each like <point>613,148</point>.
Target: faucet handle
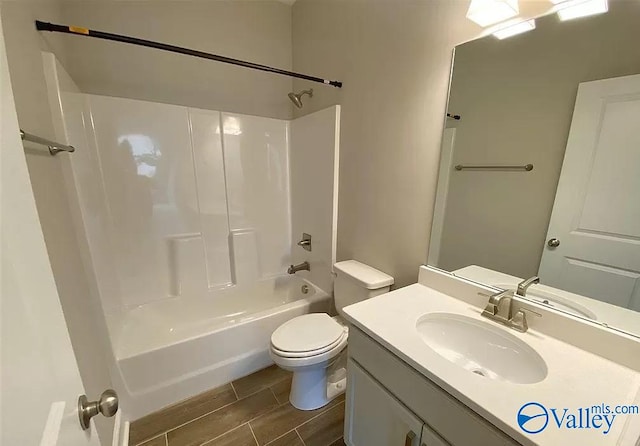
<point>305,243</point>
<point>495,295</point>
<point>492,309</point>
<point>519,320</point>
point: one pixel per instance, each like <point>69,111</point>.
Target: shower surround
<point>186,217</point>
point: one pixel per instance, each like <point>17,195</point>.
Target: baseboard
<point>120,430</point>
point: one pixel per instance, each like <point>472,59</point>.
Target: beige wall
<point>82,311</point>
<point>516,99</point>
<point>394,59</point>
<point>256,31</point>
<point>393,56</point>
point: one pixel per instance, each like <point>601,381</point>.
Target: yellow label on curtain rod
<point>78,29</point>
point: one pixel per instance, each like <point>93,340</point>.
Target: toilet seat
<point>307,335</point>
<point>293,363</point>
<point>308,353</point>
<point>308,340</point>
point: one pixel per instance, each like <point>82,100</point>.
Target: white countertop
<point>575,378</point>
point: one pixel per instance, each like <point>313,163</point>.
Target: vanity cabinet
<point>389,404</point>
<point>375,418</point>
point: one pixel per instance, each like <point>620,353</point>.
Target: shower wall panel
<point>257,167</point>
<point>177,186</point>
<point>84,179</point>
<point>147,167</point>
<point>315,152</point>
<point>212,193</point>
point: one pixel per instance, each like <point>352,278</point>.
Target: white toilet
<point>310,345</point>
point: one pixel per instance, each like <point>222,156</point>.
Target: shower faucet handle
<point>305,242</point>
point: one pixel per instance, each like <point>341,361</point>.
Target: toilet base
<point>309,389</point>
<point>315,387</point>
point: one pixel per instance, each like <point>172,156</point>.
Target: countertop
<point>575,378</point>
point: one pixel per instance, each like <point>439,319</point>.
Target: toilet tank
<point>356,282</point>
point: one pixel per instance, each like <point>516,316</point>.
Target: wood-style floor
<point>251,411</point>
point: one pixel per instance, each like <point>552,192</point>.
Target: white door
<point>596,214</point>
<point>374,417</point>
<point>40,382</point>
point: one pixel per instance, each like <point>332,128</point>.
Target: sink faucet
<point>525,284</point>
<point>499,305</point>
<point>499,309</point>
<point>304,266</point>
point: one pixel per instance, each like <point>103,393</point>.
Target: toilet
<point>310,346</point>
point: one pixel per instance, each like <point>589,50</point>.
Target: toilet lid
<point>307,333</point>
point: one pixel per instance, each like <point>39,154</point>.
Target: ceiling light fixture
<point>514,28</point>
<point>490,12</point>
<point>574,9</point>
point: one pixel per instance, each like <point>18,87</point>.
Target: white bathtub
<point>179,347</point>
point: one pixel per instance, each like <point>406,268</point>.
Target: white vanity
<point>425,368</point>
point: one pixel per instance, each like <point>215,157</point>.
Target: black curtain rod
<point>79,31</point>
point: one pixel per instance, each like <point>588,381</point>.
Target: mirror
<point>540,175</point>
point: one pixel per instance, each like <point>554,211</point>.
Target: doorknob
<point>553,243</point>
<point>107,406</point>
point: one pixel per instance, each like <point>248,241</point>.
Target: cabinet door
<point>430,438</point>
<point>374,417</point>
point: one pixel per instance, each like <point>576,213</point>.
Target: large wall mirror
<point>540,175</point>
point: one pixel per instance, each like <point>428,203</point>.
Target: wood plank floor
<point>251,411</point>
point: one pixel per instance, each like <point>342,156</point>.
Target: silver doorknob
<point>107,406</point>
<point>553,243</point>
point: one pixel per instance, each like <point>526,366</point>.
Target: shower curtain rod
<point>79,31</point>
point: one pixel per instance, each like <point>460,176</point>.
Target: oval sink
<point>554,301</point>
<point>481,348</point>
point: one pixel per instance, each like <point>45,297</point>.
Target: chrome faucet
<point>525,284</point>
<point>499,309</point>
<point>304,266</point>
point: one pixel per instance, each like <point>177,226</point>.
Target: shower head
<point>296,98</point>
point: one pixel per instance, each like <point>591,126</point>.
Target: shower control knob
<point>107,406</point>
<point>553,243</point>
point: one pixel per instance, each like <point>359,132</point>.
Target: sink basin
<point>553,300</point>
<point>481,348</point>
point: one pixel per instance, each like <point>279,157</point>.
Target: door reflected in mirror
<point>540,176</point>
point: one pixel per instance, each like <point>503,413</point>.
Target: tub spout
<point>304,266</point>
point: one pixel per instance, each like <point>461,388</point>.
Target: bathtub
<point>178,347</point>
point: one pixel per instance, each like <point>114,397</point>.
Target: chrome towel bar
<point>54,147</point>
<point>526,167</point>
